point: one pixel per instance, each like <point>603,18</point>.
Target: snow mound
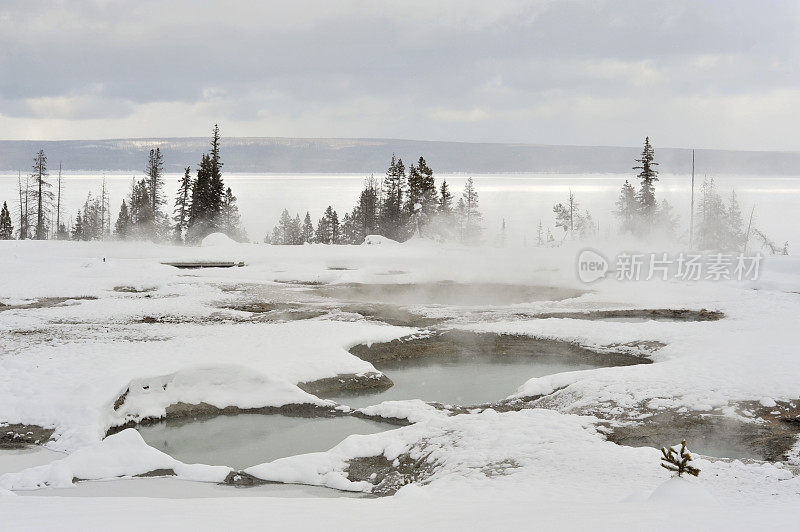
<point>375,240</point>
<point>217,385</point>
<point>216,240</point>
<point>414,410</point>
<point>119,455</point>
<point>679,491</point>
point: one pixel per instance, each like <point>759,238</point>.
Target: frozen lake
<point>522,199</point>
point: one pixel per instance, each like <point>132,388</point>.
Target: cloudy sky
<point>722,74</point>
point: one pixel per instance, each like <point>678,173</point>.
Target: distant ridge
<point>297,155</point>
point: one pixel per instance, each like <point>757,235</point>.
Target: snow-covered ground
<point>93,335</point>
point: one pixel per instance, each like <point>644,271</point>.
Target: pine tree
<point>678,462</point>
<point>719,226</point>
<point>307,232</point>
<point>217,187</point>
<point>460,219</point>
<point>334,224</point>
<point>155,185</point>
<point>733,217</point>
<point>200,206</point>
<point>122,227</point>
<point>41,194</point>
<point>666,221</point>
<point>392,218</point>
<point>366,213</point>
<point>322,233</point>
<point>77,229</point>
<point>183,205</point>
<point>6,228</point>
<point>328,230</point>
<point>296,231</point>
<point>627,208</point>
<point>566,215</point>
<point>648,176</point>
<point>445,199</point>
<point>231,220</point>
<point>285,228</point>
<point>472,213</point>
<point>350,232</point>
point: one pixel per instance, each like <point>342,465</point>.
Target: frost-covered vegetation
<point>398,207</point>
<point>203,206</point>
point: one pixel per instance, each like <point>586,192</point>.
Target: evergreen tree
<point>182,205</point>
<point>155,185</point>
<point>676,462</point>
<point>77,229</point>
<point>41,194</point>
<point>733,217</point>
<point>350,232</point>
<point>200,206</point>
<point>307,232</point>
<point>472,213</point>
<point>627,208</point>
<point>334,225</point>
<point>231,220</point>
<point>421,200</point>
<point>392,218</point>
<point>285,229</point>
<point>328,230</point>
<point>460,219</point>
<point>122,227</point>
<point>141,212</point>
<point>208,194</point>
<point>322,232</point>
<point>296,231</point>
<point>6,228</point>
<point>719,226</point>
<point>648,176</point>
<point>62,233</point>
<point>445,199</point>
<point>566,214</point>
<point>666,221</point>
<point>217,187</point>
<point>572,221</point>
<point>366,214</point>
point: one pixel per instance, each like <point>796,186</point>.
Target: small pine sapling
<point>678,462</point>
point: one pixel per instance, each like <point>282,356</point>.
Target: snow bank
<point>535,454</point>
<point>379,240</point>
<point>413,410</point>
<point>123,454</point>
<point>216,240</point>
<point>216,385</point>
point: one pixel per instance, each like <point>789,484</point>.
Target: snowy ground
<point>156,336</point>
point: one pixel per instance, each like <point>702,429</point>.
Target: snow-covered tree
<point>647,190</point>
<point>627,208</point>
<point>122,227</point>
<point>392,219</point>
<point>472,216</point>
<point>182,205</point>
<point>307,231</point>
<point>6,227</point>
<point>230,220</point>
<point>678,462</point>
<point>41,193</point>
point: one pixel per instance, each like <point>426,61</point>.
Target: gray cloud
<point>717,74</point>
